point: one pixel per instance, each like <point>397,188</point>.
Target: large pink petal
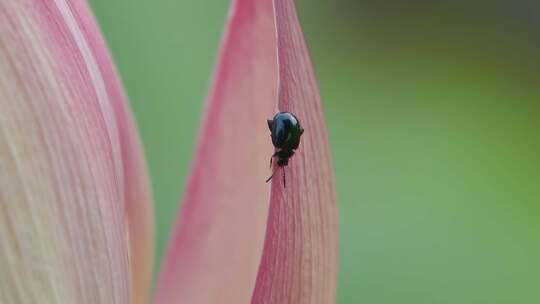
<point>216,249</point>
<point>138,198</point>
<point>218,240</point>
<point>68,158</point>
<point>299,264</point>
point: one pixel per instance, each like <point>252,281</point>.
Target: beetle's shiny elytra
<point>285,131</point>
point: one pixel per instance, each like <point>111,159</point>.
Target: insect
<point>285,132</point>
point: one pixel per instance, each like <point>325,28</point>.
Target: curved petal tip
<point>217,243</point>
<point>299,264</point>
<point>226,247</point>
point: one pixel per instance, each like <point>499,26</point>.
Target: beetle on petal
<point>285,131</point>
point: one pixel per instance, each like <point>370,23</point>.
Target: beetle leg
<point>284,179</point>
<point>272,158</point>
<point>270,177</point>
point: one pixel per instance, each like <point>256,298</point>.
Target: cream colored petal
<point>138,197</point>
<point>63,215</point>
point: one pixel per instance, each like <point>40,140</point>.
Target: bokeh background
<point>433,110</point>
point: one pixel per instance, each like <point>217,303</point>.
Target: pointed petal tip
<point>299,263</point>
<point>226,247</point>
<point>217,243</point>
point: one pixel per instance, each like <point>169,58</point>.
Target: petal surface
<point>299,263</point>
<point>71,168</point>
<point>137,192</point>
<point>216,251</point>
<point>217,244</point>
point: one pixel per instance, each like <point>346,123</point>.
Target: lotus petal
<point>216,255</point>
<point>71,169</point>
<point>299,264</point>
<point>218,240</point>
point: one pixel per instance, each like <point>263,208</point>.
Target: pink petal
<point>68,158</point>
<point>216,250</point>
<point>138,197</point>
<point>218,240</point>
<point>299,264</point>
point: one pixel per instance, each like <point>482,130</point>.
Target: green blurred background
<point>433,110</point>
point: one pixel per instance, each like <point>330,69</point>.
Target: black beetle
<point>285,132</point>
